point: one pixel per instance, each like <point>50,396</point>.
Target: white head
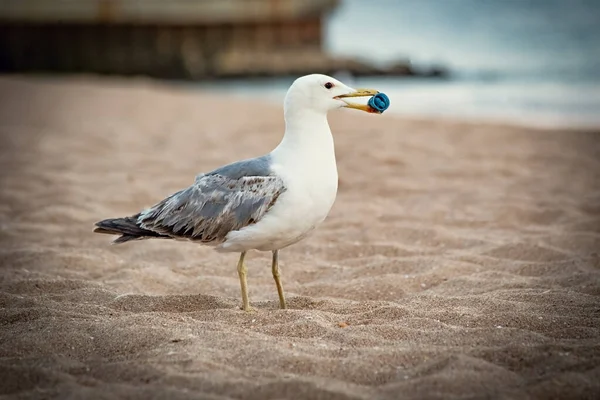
<point>322,93</point>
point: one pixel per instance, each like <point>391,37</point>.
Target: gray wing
<point>219,202</point>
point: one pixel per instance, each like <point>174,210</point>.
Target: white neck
<point>307,138</point>
<point>305,160</point>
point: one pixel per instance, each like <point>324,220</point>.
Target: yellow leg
<point>241,267</point>
<point>277,277</point>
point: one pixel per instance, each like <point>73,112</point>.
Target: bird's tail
<point>127,227</point>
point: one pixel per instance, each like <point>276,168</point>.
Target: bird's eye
<point>328,85</point>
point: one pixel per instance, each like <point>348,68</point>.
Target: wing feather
<point>212,207</point>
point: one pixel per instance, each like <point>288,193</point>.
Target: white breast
<point>310,194</point>
<point>308,169</point>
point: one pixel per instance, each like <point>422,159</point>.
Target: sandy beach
<point>460,260</point>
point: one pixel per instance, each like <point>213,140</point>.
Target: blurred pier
<point>177,39</point>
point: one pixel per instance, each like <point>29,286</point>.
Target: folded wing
<point>212,207</point>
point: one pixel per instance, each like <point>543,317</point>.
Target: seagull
<point>265,203</point>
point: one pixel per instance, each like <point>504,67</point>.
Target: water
<point>524,61</point>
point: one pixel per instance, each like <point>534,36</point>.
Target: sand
<point>461,260</point>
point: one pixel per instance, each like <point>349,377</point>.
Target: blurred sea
<point>533,62</point>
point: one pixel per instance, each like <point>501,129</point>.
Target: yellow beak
<point>359,93</point>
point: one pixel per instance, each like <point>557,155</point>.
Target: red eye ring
<point>328,85</point>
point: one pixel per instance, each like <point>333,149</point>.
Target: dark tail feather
<point>126,227</point>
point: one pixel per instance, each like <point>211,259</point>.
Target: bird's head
<point>322,93</point>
